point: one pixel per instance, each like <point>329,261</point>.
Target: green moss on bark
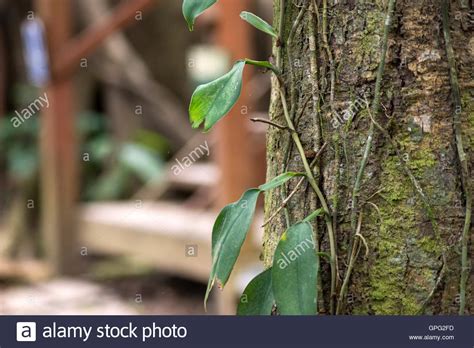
<point>404,259</point>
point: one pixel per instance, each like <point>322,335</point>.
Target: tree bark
<point>412,201</point>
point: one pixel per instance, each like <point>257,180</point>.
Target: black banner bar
<point>213,331</point>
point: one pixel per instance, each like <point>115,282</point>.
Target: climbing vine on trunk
<point>293,284</point>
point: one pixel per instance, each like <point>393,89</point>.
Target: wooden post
<point>58,143</point>
<point>3,73</point>
<point>58,150</point>
<point>233,146</point>
<point>234,150</point>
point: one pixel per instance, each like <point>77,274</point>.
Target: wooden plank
<point>23,270</point>
<point>58,151</point>
<point>198,175</point>
<point>64,296</point>
<point>160,233</point>
<point>154,189</point>
<point>153,232</point>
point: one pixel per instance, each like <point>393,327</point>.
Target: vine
<point>375,111</point>
<point>211,102</point>
<point>354,244</point>
<point>461,155</point>
<point>293,282</point>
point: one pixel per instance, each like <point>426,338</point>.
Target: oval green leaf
<point>212,101</point>
<point>228,235</point>
<point>295,271</point>
<point>193,8</point>
<point>279,180</point>
<point>257,298</point>
<point>258,23</point>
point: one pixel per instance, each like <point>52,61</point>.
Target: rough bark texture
<point>405,246</point>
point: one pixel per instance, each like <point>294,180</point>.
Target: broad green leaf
<point>228,235</point>
<point>295,271</point>
<point>257,298</point>
<point>212,101</point>
<point>279,180</point>
<point>193,8</point>
<point>258,23</point>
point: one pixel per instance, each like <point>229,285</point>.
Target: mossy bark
<point>407,239</point>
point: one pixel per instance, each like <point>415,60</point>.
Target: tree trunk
<point>412,201</point>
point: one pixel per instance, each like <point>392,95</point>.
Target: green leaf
<point>22,162</point>
<point>295,271</point>
<point>141,160</point>
<point>258,23</point>
<point>193,8</point>
<point>112,185</point>
<point>262,64</point>
<point>279,180</point>
<point>257,298</point>
<point>101,146</point>
<point>314,215</point>
<point>228,235</point>
<point>153,141</point>
<point>212,101</point>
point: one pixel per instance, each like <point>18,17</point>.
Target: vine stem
<point>417,188</point>
<point>332,72</point>
<point>375,110</point>
<point>287,199</point>
<point>461,155</point>
<point>269,122</point>
<point>407,170</point>
<point>281,27</point>
<point>278,59</point>
<point>307,167</point>
<point>350,267</point>
<point>314,73</point>
<point>433,290</point>
<point>284,203</point>
<point>322,199</point>
<point>368,147</point>
<point>289,54</point>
